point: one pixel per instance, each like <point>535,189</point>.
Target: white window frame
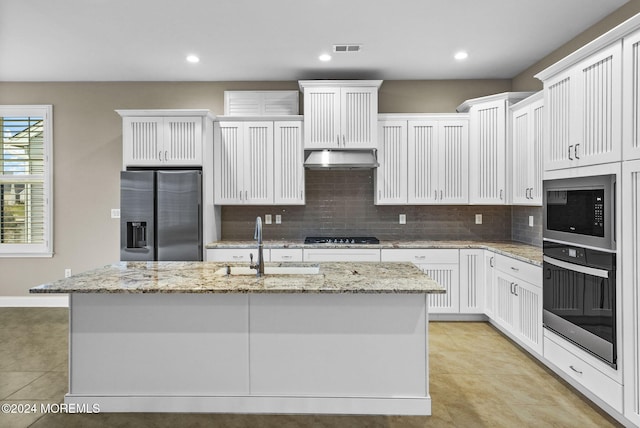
<point>41,249</point>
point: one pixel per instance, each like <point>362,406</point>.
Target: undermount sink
<point>271,270</point>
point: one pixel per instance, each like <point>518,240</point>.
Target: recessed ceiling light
<point>193,59</point>
<point>325,57</point>
<point>461,55</point>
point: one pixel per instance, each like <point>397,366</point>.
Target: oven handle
<point>601,273</point>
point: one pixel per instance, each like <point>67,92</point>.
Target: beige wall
<point>525,80</point>
<point>88,154</point>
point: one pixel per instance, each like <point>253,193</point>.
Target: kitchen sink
<point>271,270</point>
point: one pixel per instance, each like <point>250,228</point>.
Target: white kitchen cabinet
<point>489,293</point>
<point>583,111</point>
<point>243,159</point>
<point>288,163</point>
<point>630,292</point>
<point>518,300</point>
<point>391,174</point>
<point>340,114</point>
<point>488,146</point>
<point>631,96</point>
<point>423,159</point>
<point>164,137</point>
<point>472,287</point>
<point>527,120</point>
<point>285,254</point>
<point>442,266</point>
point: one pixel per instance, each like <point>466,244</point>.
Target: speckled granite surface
<point>201,277</point>
<point>517,250</point>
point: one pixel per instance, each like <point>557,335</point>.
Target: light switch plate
<point>267,219</point>
<point>530,221</point>
<point>402,219</point>
<point>115,212</point>
<point>478,218</point>
<point>278,219</point>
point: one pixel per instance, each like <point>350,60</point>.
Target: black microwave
<point>580,211</point>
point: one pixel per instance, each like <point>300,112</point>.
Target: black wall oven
<point>579,264</point>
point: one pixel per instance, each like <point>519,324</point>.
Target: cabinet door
<point>358,117</point>
<point>472,265</point>
<point>599,102</point>
<point>288,163</point>
<point>183,141</point>
<point>322,118</point>
<point>559,93</point>
<point>505,305</point>
<point>142,139</point>
<point>520,128</point>
<point>228,160</point>
<point>258,163</point>
<point>423,162</point>
<point>489,293</point>
<point>535,153</point>
<point>445,274</point>
<point>529,312</point>
<point>631,97</point>
<point>453,148</point>
<point>391,175</point>
<point>630,292</point>
<point>487,153</point>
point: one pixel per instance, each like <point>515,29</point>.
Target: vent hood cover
<point>341,159</point>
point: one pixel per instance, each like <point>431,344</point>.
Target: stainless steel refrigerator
<point>161,215</point>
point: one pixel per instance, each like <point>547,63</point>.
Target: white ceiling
<point>148,40</point>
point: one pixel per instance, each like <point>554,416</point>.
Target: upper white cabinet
<point>631,96</point>
<point>488,146</point>
<point>340,114</point>
<point>164,137</point>
<point>583,101</point>
<point>423,159</point>
<point>527,127</point>
<point>258,162</point>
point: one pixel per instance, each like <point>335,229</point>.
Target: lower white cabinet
<point>517,300</point>
<point>583,369</point>
<point>472,276</point>
<point>441,265</point>
<point>489,264</point>
<point>238,255</point>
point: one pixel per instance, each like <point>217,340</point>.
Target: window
<point>25,181</point>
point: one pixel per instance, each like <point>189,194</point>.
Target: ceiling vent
<point>351,48</point>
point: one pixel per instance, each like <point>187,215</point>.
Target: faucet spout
<point>257,235</point>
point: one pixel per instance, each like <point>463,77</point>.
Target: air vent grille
<point>347,48</point>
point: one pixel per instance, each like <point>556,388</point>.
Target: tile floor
<point>478,379</point>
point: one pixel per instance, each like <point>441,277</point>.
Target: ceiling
<point>148,40</point>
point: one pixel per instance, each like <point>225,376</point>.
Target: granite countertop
<point>201,277</point>
<point>526,253</point>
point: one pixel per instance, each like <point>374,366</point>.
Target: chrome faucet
<point>259,264</point>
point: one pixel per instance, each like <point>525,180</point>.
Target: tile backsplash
<point>341,203</point>
<point>520,229</point>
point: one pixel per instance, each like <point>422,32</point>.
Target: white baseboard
<point>44,301</point>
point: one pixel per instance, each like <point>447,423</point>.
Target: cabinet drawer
<point>231,254</point>
<point>420,256</point>
<point>591,378</point>
<point>519,269</point>
<point>341,255</point>
<point>286,254</point>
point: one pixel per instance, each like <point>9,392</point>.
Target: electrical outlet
<point>67,273</point>
<point>402,219</point>
<point>278,219</point>
<point>530,221</point>
<point>267,219</point>
<point>115,212</point>
<point>478,218</point>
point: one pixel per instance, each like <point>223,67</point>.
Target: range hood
<point>341,159</point>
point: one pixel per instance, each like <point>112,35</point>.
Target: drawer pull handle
<point>420,257</point>
<point>238,257</point>
<point>575,370</point>
<point>491,262</point>
<point>286,257</point>
<point>514,268</point>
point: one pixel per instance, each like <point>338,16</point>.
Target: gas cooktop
<point>341,240</point>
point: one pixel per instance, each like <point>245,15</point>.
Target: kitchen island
<point>343,338</point>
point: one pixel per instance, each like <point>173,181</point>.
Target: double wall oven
<point>579,264</point>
